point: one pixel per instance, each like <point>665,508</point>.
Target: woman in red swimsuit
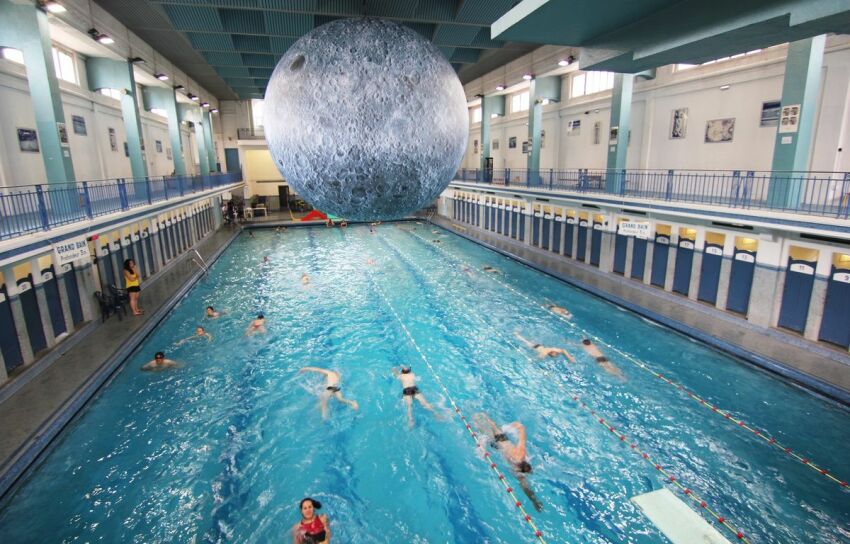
<point>313,528</point>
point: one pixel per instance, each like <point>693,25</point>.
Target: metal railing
<point>31,208</point>
<point>811,193</point>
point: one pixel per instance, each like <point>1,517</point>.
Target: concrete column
<point>630,248</point>
<point>723,284</point>
<point>575,240</point>
<point>157,248</point>
<point>63,298</point>
<point>118,74</point>
<point>25,27</point>
<point>671,266</point>
<point>696,274</point>
<point>621,109</point>
<point>43,308</point>
<point>647,271</point>
<point>166,99</point>
<point>768,283</point>
<point>800,93</point>
<point>86,281</point>
<point>562,227</point>
<point>216,213</point>
<point>20,324</point>
<point>208,133</point>
<point>542,88</point>
<point>193,113</point>
<point>816,304</point>
<point>490,105</point>
<point>3,375</point>
<point>606,252</point>
<point>529,224</point>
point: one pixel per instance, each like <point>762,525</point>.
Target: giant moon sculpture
<point>366,119</point>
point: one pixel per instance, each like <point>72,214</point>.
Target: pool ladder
<point>202,264</point>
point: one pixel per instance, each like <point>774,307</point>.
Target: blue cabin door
<point>568,238</point>
<point>9,345</point>
<point>741,281</point>
<point>660,254</point>
<point>514,224</point>
<point>54,303</point>
<point>835,327</point>
<point>709,277</point>
<point>535,230</point>
<point>69,277</point>
<point>547,227</point>
<point>521,227</point>
<point>499,219</point>
<point>638,258</point>
<point>595,244</point>
<point>556,235</point>
<point>621,245</point>
<point>582,240</point>
<point>32,315</point>
<point>682,269</point>
<point>486,217</point>
<point>799,280</point>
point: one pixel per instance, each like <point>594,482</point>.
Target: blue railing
<point>31,208</point>
<point>811,193</point>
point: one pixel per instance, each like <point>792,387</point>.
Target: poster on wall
<point>613,134</point>
<point>719,130</point>
<point>63,134</point>
<point>790,120</point>
<point>679,124</point>
<point>495,145</point>
<point>168,153</point>
<point>512,142</point>
<point>79,124</point>
<point>113,142</point>
<point>542,139</point>
<point>28,140</point>
<point>526,147</point>
<point>574,127</point>
<point>158,146</point>
<point>770,113</point>
<point>475,147</point>
<point>597,132</point>
<point>126,150</point>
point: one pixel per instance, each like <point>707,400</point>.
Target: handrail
<point>824,194</point>
<point>203,264</point>
<point>31,208</point>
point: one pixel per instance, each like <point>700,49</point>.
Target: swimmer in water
<point>370,262</point>
<point>603,361</point>
<point>491,270</point>
<point>211,313</point>
<point>332,388</point>
<point>159,362</point>
<point>410,391</point>
<point>313,528</point>
<point>305,279</point>
<point>559,310</point>
<point>329,223</point>
<point>514,453</point>
<point>199,333</point>
<point>343,223</point>
<point>265,259</point>
<point>257,326</point>
<point>543,351</point>
<point>437,241</point>
<point>250,233</point>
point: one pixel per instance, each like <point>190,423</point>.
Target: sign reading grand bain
<point>70,251</point>
<point>634,228</point>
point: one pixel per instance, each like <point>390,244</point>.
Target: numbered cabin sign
<point>802,269</point>
<point>843,277</point>
<point>714,250</point>
<point>46,276</point>
<point>686,244</point>
<point>745,257</point>
<point>70,251</point>
<point>24,286</point>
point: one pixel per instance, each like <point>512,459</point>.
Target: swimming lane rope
<point>765,437</point>
<point>599,419</point>
<point>487,457</point>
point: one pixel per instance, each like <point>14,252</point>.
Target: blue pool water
<point>222,448</point>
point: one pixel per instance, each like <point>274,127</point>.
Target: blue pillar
<point>800,92</point>
<point>618,137</point>
<point>490,105</point>
<point>543,88</point>
<point>193,114</point>
<point>208,132</point>
<point>166,99</point>
<point>118,74</point>
<point>24,27</point>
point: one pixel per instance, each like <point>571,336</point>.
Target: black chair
<point>109,305</point>
<point>121,295</point>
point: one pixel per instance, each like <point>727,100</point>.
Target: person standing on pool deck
<point>257,326</point>
<point>603,361</point>
<point>543,351</point>
<point>515,454</point>
<point>331,388</point>
<point>410,391</point>
<point>159,362</point>
<point>313,528</point>
<point>132,284</point>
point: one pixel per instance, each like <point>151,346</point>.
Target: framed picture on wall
<point>158,146</point>
<point>126,150</point>
<point>79,124</point>
<point>168,153</point>
<point>475,147</point>
<point>574,127</point>
<point>679,124</point>
<point>495,145</point>
<point>597,132</point>
<point>719,130</point>
<point>113,141</point>
<point>770,113</point>
<point>512,142</point>
<point>613,135</point>
<point>28,140</point>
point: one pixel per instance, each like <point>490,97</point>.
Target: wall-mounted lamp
<point>205,104</point>
<point>500,87</point>
<point>99,37</point>
<point>136,60</point>
<point>178,87</point>
<point>725,87</point>
<point>53,7</point>
<point>161,77</point>
<point>214,110</point>
<point>528,77</point>
<point>192,97</point>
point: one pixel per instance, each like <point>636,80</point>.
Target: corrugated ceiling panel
<point>447,51</point>
<point>466,56</point>
<point>288,24</point>
<point>259,61</point>
<point>211,42</point>
<point>391,8</point>
<point>448,34</point>
<point>223,59</point>
<point>242,21</point>
<point>281,45</point>
<point>192,18</point>
<point>319,20</point>
<point>263,73</point>
<point>254,44</point>
<point>483,40</point>
<point>340,7</point>
<point>483,12</point>
<point>437,10</point>
<point>294,5</point>
<point>233,71</point>
<point>426,30</point>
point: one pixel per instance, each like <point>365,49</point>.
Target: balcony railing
<point>811,193</point>
<point>32,208</point>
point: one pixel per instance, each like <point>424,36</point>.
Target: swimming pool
<point>223,448</point>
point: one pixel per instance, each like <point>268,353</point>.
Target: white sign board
<point>71,250</point>
<point>635,228</point>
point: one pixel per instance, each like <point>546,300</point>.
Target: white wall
<point>752,80</point>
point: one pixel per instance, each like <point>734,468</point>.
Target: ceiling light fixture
<point>725,87</point>
<point>500,87</point>
<point>54,7</point>
<point>100,37</point>
<point>161,77</point>
<point>136,60</point>
<point>178,87</point>
<point>563,62</point>
<point>528,77</point>
<point>214,110</point>
<point>192,97</point>
<point>205,104</point>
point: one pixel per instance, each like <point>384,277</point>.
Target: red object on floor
<point>315,215</point>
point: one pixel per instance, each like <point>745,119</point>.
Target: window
<point>257,113</point>
<point>519,102</point>
<point>683,67</point>
<point>591,82</point>
<point>476,115</point>
<point>159,111</point>
<point>111,93</point>
<point>65,64</point>
<point>14,55</point>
